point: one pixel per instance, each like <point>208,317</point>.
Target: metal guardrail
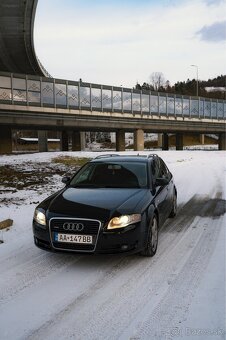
<point>49,92</point>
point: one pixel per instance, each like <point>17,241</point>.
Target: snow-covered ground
<point>179,293</point>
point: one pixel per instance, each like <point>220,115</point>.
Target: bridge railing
<point>57,93</point>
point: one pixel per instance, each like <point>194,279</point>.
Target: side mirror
<point>66,179</point>
<point>161,182</point>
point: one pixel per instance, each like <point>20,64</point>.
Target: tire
<point>152,238</point>
<point>174,208</point>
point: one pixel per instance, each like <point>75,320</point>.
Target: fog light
<point>124,247</point>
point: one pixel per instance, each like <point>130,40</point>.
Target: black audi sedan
<point>113,204</point>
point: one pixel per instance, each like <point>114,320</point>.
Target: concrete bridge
<point>31,100</point>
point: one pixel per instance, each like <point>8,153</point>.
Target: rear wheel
<point>152,238</point>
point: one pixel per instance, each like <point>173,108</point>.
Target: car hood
<point>95,203</point>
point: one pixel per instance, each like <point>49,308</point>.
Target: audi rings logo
<point>73,226</point>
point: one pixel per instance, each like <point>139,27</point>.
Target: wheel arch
<point>152,210</point>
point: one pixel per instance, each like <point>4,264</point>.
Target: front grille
<point>91,227</point>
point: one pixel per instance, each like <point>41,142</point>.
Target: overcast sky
<point>121,42</point>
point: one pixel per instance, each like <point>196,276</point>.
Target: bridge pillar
<point>64,141</point>
<point>160,137</point>
<point>42,141</point>
<point>139,140</point>
<point>120,140</point>
<point>76,141</point>
<point>83,140</point>
<point>202,139</point>
<point>179,141</point>
<point>165,141</point>
<point>5,140</point>
<point>222,141</point>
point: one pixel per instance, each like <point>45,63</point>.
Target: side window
<point>155,168</point>
<point>164,172</point>
<point>159,169</point>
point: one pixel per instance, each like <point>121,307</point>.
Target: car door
<point>165,173</point>
<point>171,187</point>
<point>161,192</point>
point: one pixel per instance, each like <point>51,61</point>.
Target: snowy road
<point>179,293</point>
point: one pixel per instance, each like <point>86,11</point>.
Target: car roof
<point>123,158</point>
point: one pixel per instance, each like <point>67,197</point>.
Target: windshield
<point>112,175</point>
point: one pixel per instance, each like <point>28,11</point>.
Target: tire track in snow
<point>108,275</point>
<point>136,276</point>
<point>31,271</point>
<point>171,311</point>
<point>137,301</point>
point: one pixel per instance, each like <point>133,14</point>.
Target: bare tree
<point>157,80</point>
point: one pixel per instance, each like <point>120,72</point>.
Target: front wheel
<point>152,238</point>
<point>174,207</point>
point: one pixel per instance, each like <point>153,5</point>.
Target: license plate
<point>71,238</point>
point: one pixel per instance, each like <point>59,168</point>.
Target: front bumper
<point>127,240</point>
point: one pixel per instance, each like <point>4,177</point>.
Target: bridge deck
<point>33,102</point>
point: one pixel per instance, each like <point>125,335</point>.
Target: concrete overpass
<point>33,102</point>
<point>17,52</point>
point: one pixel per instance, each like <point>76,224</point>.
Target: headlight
<point>123,221</point>
<point>40,217</point>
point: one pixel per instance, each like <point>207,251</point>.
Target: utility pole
<point>197,80</point>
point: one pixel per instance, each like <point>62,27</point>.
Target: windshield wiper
<point>99,186</point>
<point>84,185</point>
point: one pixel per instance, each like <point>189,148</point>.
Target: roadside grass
<point>20,177</point>
<point>70,161</point>
<point>36,176</point>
